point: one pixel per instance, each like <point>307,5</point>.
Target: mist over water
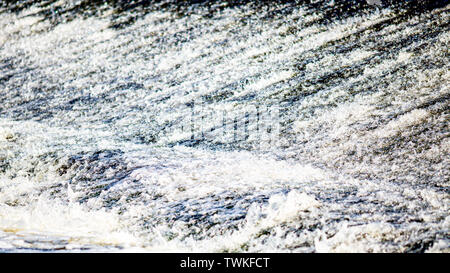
<point>224,126</point>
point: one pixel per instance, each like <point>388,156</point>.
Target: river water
<point>233,126</point>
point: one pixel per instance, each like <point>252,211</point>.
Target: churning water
<point>304,126</point>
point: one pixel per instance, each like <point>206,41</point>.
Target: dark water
<point>304,126</point>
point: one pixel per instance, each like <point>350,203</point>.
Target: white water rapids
<point>306,126</point>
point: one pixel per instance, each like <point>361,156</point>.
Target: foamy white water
<point>294,127</point>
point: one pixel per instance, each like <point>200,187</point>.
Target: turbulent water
<point>224,126</point>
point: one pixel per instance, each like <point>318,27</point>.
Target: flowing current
<point>224,126</point>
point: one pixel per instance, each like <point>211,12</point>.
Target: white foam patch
<point>266,81</point>
<point>281,208</point>
<point>70,221</point>
<point>356,239</point>
<point>404,121</point>
<point>211,173</point>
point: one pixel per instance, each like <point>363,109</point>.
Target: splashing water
<point>304,126</point>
